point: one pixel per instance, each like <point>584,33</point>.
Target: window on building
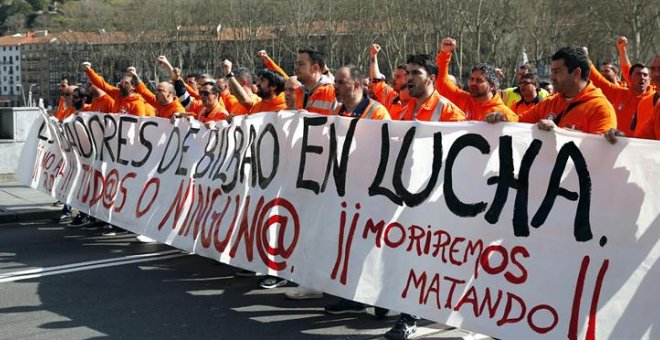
<point>16,58</point>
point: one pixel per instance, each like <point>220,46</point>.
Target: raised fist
<point>621,42</point>
<point>448,45</point>
<point>162,59</point>
<point>131,69</point>
<point>87,65</point>
<point>373,51</point>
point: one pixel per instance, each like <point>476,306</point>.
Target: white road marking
<point>89,265</point>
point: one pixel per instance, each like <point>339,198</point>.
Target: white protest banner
<point>500,229</point>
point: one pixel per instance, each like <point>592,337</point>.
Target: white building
<point>11,91</point>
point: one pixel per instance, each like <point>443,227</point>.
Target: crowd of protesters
<point>579,96</point>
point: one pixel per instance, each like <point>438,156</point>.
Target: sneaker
<point>403,329</point>
<point>80,220</point>
<point>272,282</point>
<point>63,218</point>
<point>345,306</point>
<point>303,293</point>
<point>145,239</point>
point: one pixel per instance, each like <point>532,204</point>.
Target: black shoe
<point>345,306</point>
<point>381,313</point>
<point>403,329</point>
<point>272,282</point>
<point>80,220</point>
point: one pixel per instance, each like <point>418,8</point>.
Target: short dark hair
<point>402,67</point>
<point>574,57</point>
<point>489,72</point>
<point>317,57</point>
<point>425,61</point>
<point>531,77</point>
<point>529,67</point>
<point>612,66</point>
<point>83,94</point>
<point>274,79</point>
<point>214,88</point>
<point>635,66</point>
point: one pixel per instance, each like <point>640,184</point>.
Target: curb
<point>27,215</point>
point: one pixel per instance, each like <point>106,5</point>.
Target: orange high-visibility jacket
<point>436,108</point>
<point>64,114</point>
<point>624,100</point>
<point>520,107</point>
<point>321,98</point>
<point>60,109</point>
<point>217,113</point>
<point>166,111</point>
<point>103,104</point>
<point>473,109</point>
<point>651,128</point>
<point>237,108</point>
<point>386,95</point>
<point>367,109</point>
<point>133,104</point>
<point>272,105</point>
<point>588,112</point>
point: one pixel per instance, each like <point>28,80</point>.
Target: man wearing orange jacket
<point>242,98</point>
<point>482,98</point>
<point>350,94</point>
<point>165,100</point>
<point>209,107</point>
<point>426,103</point>
<point>101,101</point>
<point>64,83</point>
<point>319,88</point>
<point>127,100</point>
<point>626,99</point>
<point>270,89</point>
<point>299,95</point>
<point>392,97</point>
<point>578,104</point>
<point>530,97</point>
<point>66,103</point>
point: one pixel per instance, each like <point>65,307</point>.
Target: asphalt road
<point>59,282</point>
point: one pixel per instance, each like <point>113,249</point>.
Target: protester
<point>165,100</point>
<point>126,98</point>
<point>579,105</point>
<point>512,95</point>
<point>426,103</point>
<point>319,89</point>
<point>483,85</point>
<point>242,96</point>
<point>626,99</point>
<point>393,97</point>
<point>528,85</point>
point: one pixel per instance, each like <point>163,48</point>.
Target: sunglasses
<point>205,93</point>
<point>67,94</point>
